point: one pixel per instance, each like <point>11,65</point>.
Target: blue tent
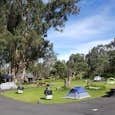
<point>77,93</point>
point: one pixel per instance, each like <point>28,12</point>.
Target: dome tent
<point>77,93</point>
<point>111,80</point>
<point>97,78</point>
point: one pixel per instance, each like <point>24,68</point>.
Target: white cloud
<point>83,48</point>
<point>86,47</point>
<point>79,36</point>
<point>85,28</point>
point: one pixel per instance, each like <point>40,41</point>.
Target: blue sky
<point>94,25</point>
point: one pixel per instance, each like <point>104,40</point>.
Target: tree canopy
<point>101,59</point>
<point>24,25</point>
<point>36,14</point>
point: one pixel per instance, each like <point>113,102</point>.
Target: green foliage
<point>22,51</point>
<point>27,23</point>
<point>37,14</point>
<point>112,61</point>
<point>97,59</point>
<point>101,60</point>
<point>59,69</point>
<point>78,64</point>
<point>108,75</point>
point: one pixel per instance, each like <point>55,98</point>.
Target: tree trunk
<point>69,77</point>
<point>23,73</point>
<point>65,82</point>
<point>69,81</point>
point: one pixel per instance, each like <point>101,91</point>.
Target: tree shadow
<point>110,93</point>
<point>43,98</point>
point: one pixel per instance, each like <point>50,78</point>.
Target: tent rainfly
<point>77,93</point>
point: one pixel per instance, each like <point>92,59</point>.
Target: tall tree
<point>36,14</point>
<point>100,59</point>
<point>97,60</point>
<point>78,64</point>
<point>28,22</point>
<point>59,70</point>
<point>110,69</point>
<point>112,61</point>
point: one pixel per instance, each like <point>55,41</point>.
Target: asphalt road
<point>101,106</point>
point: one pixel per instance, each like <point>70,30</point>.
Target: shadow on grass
<point>110,93</point>
<point>43,98</point>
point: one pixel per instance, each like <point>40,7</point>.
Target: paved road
<point>102,106</point>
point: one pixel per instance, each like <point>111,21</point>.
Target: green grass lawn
<point>35,94</point>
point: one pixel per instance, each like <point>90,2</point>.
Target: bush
<point>108,75</point>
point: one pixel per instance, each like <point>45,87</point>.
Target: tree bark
<point>69,81</point>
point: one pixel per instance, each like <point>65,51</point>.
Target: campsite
<point>35,94</point>
<point>57,57</point>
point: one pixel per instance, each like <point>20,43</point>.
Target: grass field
<point>35,94</point>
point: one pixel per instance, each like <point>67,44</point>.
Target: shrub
<point>108,75</point>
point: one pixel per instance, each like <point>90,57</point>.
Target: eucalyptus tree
<point>112,61</point>
<point>37,14</point>
<point>78,64</point>
<point>97,60</point>
<point>28,22</point>
<point>59,71</point>
<point>110,69</point>
<point>44,65</point>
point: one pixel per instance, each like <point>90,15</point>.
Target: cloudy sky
<point>94,25</point>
